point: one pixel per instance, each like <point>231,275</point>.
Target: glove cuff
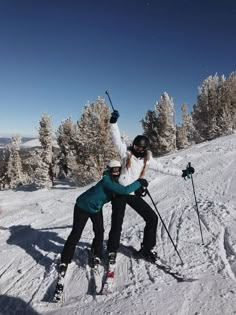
<point>113,120</point>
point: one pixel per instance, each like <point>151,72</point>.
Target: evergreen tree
<point>31,164</point>
<point>150,130</point>
<point>215,112</point>
<point>231,87</point>
<point>224,117</point>
<point>125,138</point>
<point>66,139</point>
<point>14,174</point>
<point>93,145</point>
<point>206,110</point>
<point>159,126</point>
<point>44,172</point>
<point>3,168</point>
<point>166,124</point>
<point>184,133</point>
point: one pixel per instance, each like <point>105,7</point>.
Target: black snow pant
<point>118,212</point>
<point>80,219</point>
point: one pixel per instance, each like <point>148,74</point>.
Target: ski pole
<point>147,191</point>
<point>110,100</point>
<point>189,165</point>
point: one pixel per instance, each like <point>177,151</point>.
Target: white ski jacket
<point>132,173</point>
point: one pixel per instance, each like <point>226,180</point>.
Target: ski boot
<point>112,258</point>
<point>146,254</point>
<point>95,261</point>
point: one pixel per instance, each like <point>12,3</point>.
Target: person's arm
<point>158,167</point>
<point>116,139</point>
<point>119,189</point>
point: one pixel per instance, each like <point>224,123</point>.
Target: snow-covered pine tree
<point>231,87</point>
<point>184,133</point>
<point>30,164</point>
<point>44,172</point>
<point>125,138</point>
<point>224,117</point>
<point>14,174</point>
<point>166,124</point>
<point>66,139</point>
<point>94,146</point>
<point>150,130</point>
<point>215,112</point>
<point>206,110</point>
<point>3,169</point>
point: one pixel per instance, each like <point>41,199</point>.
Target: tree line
<point>85,147</point>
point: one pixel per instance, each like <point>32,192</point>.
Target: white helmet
<point>114,163</point>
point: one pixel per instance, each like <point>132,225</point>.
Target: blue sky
<point>56,55</point>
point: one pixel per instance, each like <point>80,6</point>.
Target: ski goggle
<point>115,170</point>
<point>140,149</point>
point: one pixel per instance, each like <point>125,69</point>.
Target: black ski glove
<point>141,192</point>
<point>143,182</point>
<point>189,170</point>
<point>114,117</point>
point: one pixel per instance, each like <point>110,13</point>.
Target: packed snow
<point>35,224</point>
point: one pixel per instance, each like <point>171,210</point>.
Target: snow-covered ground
<point>34,226</point>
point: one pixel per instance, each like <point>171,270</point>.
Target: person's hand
<point>189,170</point>
<point>114,116</point>
<point>141,192</point>
<point>143,182</point>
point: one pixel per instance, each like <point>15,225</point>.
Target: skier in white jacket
<point>135,161</point>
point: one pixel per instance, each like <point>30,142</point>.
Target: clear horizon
<point>57,56</point>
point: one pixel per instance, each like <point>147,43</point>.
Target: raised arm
<point>116,137</point>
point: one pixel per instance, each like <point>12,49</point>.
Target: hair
<point>141,139</point>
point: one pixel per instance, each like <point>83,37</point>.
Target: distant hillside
<point>6,140</point>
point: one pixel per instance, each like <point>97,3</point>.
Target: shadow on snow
<point>34,240</point>
<point>10,305</point>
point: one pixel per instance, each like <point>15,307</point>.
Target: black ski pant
<point>118,211</point>
<point>80,219</point>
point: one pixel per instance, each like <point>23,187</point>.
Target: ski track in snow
<point>35,225</point>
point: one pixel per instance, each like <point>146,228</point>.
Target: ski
<point>164,266</point>
<point>59,290</point>
<point>108,282</point>
<point>109,276</point>
<point>95,274</point>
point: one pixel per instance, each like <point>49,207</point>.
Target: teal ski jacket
<point>94,198</point>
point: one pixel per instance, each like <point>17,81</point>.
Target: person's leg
<point>118,212</point>
<point>80,219</point>
<point>149,216</point>
<point>98,229</point>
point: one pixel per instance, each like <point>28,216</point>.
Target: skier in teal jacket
<point>89,205</point>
